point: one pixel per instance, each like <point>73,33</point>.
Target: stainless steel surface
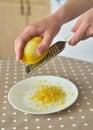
<point>52,52</point>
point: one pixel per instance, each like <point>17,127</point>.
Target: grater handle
<point>69,38</point>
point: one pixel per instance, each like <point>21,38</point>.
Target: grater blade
<point>52,52</point>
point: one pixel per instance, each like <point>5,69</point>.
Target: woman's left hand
<point>83,28</point>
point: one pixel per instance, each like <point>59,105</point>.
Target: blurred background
<point>15,15</point>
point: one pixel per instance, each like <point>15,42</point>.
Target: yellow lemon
<point>30,55</point>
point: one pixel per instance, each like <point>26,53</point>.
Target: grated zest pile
<point>49,94</point>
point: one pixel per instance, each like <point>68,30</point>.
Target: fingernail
<point>41,50</point>
<point>72,43</point>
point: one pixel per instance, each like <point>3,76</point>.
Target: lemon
<point>30,55</point>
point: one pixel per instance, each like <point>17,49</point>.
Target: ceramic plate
<point>21,92</point>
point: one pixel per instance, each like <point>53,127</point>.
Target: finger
<point>89,32</point>
<point>88,35</point>
<point>80,33</point>
<point>44,45</point>
<point>19,45</point>
<point>20,42</point>
<point>74,29</point>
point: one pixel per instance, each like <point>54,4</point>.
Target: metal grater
<point>52,52</point>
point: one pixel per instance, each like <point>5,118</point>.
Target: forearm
<point>72,9</point>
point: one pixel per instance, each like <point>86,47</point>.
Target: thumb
<point>44,45</point>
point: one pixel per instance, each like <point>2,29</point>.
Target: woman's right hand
<point>46,29</point>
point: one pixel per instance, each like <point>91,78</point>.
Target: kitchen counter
<point>77,116</point>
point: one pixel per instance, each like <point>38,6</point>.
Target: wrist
<point>61,15</point>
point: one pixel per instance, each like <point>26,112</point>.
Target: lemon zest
<point>49,94</point>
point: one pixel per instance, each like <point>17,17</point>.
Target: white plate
<point>19,94</point>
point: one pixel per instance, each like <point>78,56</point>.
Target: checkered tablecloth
<point>78,116</point>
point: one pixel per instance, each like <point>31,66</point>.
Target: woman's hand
<point>83,28</point>
<point>46,29</point>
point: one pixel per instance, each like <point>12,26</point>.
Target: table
<point>78,116</point>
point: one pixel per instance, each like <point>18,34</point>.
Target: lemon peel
<point>30,55</point>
